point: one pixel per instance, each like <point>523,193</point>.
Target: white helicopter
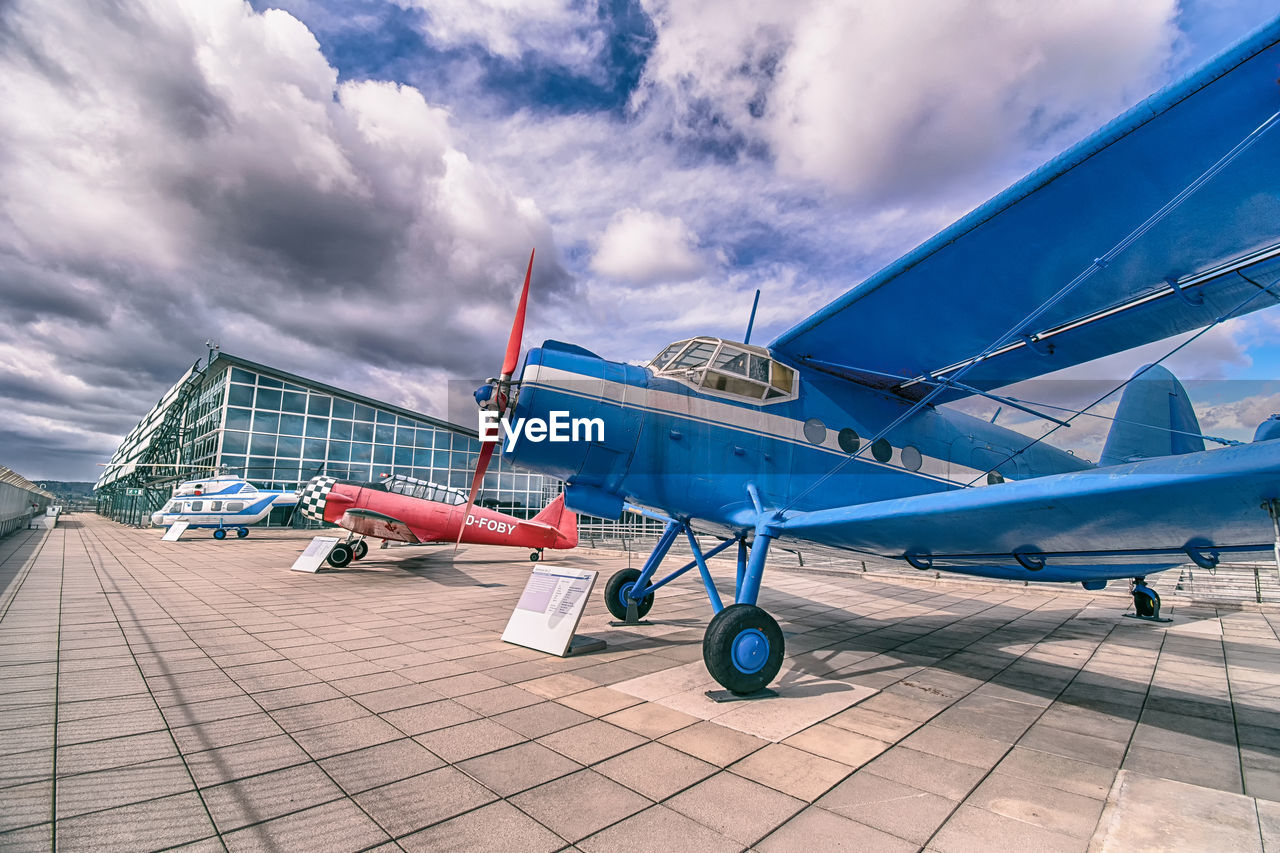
<point>223,502</point>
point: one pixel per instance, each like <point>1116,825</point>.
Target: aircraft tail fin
<point>1155,418</point>
<point>564,520</point>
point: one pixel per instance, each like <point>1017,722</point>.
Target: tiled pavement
<point>156,695</point>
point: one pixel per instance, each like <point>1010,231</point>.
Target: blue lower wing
<point>1102,523</point>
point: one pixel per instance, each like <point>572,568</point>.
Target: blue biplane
<point>1165,221</point>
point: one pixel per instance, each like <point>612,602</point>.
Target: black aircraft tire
<point>359,549</point>
<point>743,648</point>
<point>340,556</point>
<point>535,556</point>
<point>242,532</point>
<point>219,534</point>
<point>615,594</point>
<point>1146,605</point>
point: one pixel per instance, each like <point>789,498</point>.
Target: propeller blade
<point>482,465</point>
<point>509,364</point>
<point>512,359</point>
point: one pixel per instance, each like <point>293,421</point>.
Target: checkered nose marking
<point>313,497</point>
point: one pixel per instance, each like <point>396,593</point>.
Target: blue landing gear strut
<point>743,645</point>
<point>1146,602</point>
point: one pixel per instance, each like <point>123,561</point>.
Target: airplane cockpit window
<point>740,370</point>
<point>668,354</point>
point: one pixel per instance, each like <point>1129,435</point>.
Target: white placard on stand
<point>175,531</point>
<point>549,609</point>
<point>310,559</point>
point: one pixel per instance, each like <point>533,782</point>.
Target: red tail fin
<point>563,520</point>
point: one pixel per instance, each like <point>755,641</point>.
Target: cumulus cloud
<point>643,247</point>
<point>884,99</point>
<point>177,171</point>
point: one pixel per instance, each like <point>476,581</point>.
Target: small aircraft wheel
<point>242,532</point>
<point>219,534</point>
<point>743,648</point>
<point>358,549</point>
<point>535,556</point>
<point>615,594</point>
<point>340,555</point>
<point>1146,602</point>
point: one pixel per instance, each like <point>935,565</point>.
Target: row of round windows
<point>815,432</point>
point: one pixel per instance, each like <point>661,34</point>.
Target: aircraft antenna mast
<point>746,339</point>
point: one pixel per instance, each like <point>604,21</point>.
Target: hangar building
<point>279,430</point>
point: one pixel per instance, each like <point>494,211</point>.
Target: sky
<point>349,189</point>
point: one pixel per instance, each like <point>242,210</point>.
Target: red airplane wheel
<point>340,555</point>
<point>358,549</point>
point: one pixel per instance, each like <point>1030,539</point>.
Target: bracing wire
<point>1234,312</point>
<point>1098,264</point>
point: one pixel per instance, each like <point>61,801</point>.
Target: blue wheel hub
<point>625,592</point>
<point>750,651</point>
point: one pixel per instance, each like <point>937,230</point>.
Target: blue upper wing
<point>952,297</point>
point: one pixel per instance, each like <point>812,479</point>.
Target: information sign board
<point>311,558</point>
<point>549,609</point>
<point>175,531</point>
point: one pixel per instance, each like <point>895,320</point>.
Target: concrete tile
<point>655,770</point>
<point>225,764</point>
<point>334,738</point>
<point>592,741</point>
<point>818,829</point>
<point>900,810</point>
<point>599,701</point>
<point>875,724</point>
<point>1221,772</point>
<point>679,834</point>
<point>852,750</point>
<point>957,746</point>
<point>1269,824</point>
<point>335,826</point>
<point>229,732</point>
<point>713,743</point>
<point>421,801</point>
<point>496,828</point>
<point>1064,774</point>
<point>792,771</point>
<point>26,805</point>
<point>421,719</point>
<point>580,804</point>
<point>116,752</point>
<point>756,811</point>
<point>115,725</point>
<point>942,776</point>
<point>464,685</point>
<point>557,685</point>
<point>650,719</point>
<point>1032,802</point>
<point>105,789</point>
<point>468,740</point>
<point>541,719</point>
<point>152,825</point>
<point>269,795</point>
<point>380,765</point>
<point>404,696</point>
<point>517,768</point>
<point>32,839</point>
<point>973,829</point>
<point>1145,813</point>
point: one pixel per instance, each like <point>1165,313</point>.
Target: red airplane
<point>405,509</point>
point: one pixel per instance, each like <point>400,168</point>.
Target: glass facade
<point>278,431</point>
